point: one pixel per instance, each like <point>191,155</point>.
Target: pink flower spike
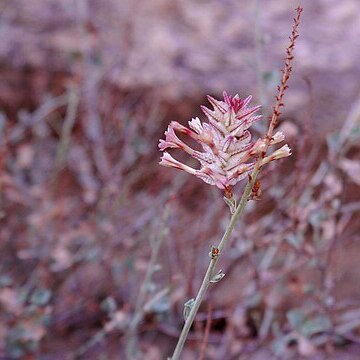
<point>228,153</point>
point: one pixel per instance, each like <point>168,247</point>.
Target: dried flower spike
<point>228,153</point>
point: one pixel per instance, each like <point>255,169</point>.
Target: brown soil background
<point>78,224</point>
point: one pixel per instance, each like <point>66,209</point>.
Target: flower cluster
<point>228,152</point>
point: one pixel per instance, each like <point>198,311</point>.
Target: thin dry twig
<point>65,137</point>
<point>286,75</point>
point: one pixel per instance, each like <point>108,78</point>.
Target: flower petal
<point>168,161</point>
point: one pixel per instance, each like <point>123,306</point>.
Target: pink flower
<point>228,153</point>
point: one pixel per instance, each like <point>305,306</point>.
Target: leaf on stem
<point>187,307</point>
<point>216,278</point>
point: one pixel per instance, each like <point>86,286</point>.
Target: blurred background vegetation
<point>101,247</point>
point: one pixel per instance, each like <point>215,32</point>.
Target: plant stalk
<point>245,196</point>
<point>210,270</point>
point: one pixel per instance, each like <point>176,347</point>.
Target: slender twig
<point>40,114</point>
<point>286,75</point>
<point>140,306</point>
<point>210,270</point>
<point>215,255</point>
<point>48,107</point>
<point>65,136</point>
<point>4,152</point>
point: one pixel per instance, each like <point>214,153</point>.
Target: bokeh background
<point>101,247</point>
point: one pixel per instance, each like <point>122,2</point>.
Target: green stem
<point>210,270</point>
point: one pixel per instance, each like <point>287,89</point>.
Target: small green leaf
<point>187,307</point>
<point>317,217</point>
<point>40,297</point>
<point>296,318</point>
<point>295,240</point>
<point>217,277</point>
<point>316,325</point>
<point>109,305</point>
<point>161,305</point>
<point>279,346</point>
<point>333,142</point>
